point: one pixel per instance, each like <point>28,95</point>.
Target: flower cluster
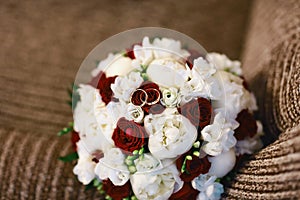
<point>158,122</point>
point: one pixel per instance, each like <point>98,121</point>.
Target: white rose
<point>209,189</point>
<point>171,97</point>
<point>167,72</point>
<point>218,136</point>
<point>123,87</point>
<point>84,169</point>
<point>112,166</point>
<point>156,185</point>
<point>222,62</point>
<point>111,66</point>
<point>134,113</point>
<point>222,164</point>
<point>85,122</point>
<point>170,134</point>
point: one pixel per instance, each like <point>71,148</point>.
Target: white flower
<point>222,163</point>
<point>222,62</point>
<point>144,53</point>
<point>167,72</point>
<point>250,145</point>
<point>209,189</point>
<point>134,113</point>
<point>201,82</point>
<point>171,97</point>
<point>202,68</point>
<point>171,134</point>
<point>84,169</point>
<point>234,97</point>
<point>123,87</point>
<point>116,110</point>
<point>112,166</point>
<point>85,122</point>
<point>160,48</point>
<point>218,136</point>
<point>104,118</point>
<point>114,65</point>
<point>169,48</point>
<point>147,164</point>
<point>156,185</point>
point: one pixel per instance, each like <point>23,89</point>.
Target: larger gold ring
<point>140,98</point>
<point>156,100</point>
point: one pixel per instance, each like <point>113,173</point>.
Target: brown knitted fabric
<point>30,169</point>
<point>272,67</point>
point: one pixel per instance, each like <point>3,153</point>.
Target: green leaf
<point>69,158</point>
<point>66,130</point>
<point>74,95</point>
<point>89,186</point>
<point>96,182</point>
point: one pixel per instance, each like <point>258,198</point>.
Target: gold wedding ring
<point>145,101</point>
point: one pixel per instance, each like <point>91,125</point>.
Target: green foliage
<point>74,96</point>
<point>69,158</point>
<point>66,130</point>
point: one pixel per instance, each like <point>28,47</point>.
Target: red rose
<point>187,192</point>
<point>198,111</point>
<point>129,136</point>
<point>248,126</point>
<point>153,95</point>
<point>194,167</point>
<point>103,83</point>
<point>116,192</point>
<point>74,139</point>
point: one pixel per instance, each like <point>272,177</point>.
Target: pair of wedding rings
<point>140,97</point>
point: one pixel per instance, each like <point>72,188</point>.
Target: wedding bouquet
<point>158,121</point>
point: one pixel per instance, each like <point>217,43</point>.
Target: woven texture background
<point>272,66</point>
<point>44,42</point>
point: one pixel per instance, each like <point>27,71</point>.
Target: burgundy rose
<point>248,126</point>
<point>103,83</point>
<point>198,111</point>
<point>187,192</point>
<point>194,167</point>
<point>153,96</point>
<point>74,139</point>
<point>116,192</point>
<point>129,136</point>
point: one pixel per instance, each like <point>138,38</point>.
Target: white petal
<point>222,164</point>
